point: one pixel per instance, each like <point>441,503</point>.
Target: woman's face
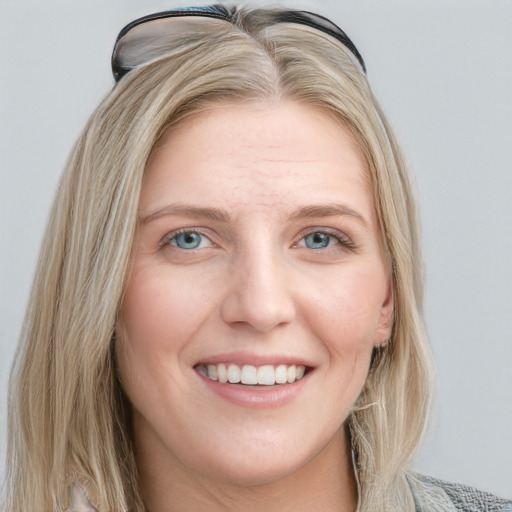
<point>257,259</point>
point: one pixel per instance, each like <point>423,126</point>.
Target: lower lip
<point>261,397</point>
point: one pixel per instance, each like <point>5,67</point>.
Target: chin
<point>261,461</point>
<point>254,473</point>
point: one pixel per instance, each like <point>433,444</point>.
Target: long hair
<point>69,419</point>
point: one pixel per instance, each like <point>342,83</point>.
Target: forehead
<point>256,154</point>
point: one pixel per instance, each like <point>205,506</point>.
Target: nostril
<point>260,313</point>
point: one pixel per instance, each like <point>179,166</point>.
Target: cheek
<point>159,313</point>
<point>156,320</point>
<point>346,312</point>
<point>345,319</point>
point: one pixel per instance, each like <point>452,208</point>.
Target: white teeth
<point>212,372</point>
<point>234,374</point>
<point>291,373</point>
<point>266,375</point>
<point>249,375</point>
<point>281,374</point>
<point>221,372</point>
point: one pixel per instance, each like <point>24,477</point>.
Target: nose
<point>259,294</point>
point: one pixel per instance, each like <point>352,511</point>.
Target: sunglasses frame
<point>229,14</point>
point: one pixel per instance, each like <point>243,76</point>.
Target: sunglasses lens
<point>156,39</point>
<point>324,25</point>
<point>156,36</point>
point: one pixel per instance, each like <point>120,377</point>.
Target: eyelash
<point>166,241</point>
<point>344,241</point>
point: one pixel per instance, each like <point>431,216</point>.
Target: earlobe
<point>386,320</point>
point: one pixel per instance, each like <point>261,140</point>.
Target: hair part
<point>69,418</point>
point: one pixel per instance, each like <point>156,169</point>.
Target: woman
<point>227,309</point>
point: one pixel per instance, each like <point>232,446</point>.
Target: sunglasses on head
<point>143,40</point>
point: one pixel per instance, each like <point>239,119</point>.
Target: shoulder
<point>433,495</point>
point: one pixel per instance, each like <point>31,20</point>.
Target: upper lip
<point>244,358</point>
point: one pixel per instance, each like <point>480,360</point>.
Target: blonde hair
<point>69,419</point>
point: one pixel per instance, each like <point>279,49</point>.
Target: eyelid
<point>344,240</point>
<point>165,241</point>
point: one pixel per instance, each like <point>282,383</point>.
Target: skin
<point>255,285</point>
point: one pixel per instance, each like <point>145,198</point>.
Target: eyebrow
<point>211,213</point>
<point>327,210</point>
<point>220,215</point>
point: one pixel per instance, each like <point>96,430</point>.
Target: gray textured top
<point>430,495</point>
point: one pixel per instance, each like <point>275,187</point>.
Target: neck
<point>326,483</point>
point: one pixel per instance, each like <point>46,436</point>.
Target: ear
<point>386,320</point>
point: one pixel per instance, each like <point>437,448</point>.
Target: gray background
<point>443,72</point>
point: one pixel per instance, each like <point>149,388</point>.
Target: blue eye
<point>319,240</point>
<point>188,240</point>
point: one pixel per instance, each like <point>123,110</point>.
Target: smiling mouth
<point>249,375</point>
